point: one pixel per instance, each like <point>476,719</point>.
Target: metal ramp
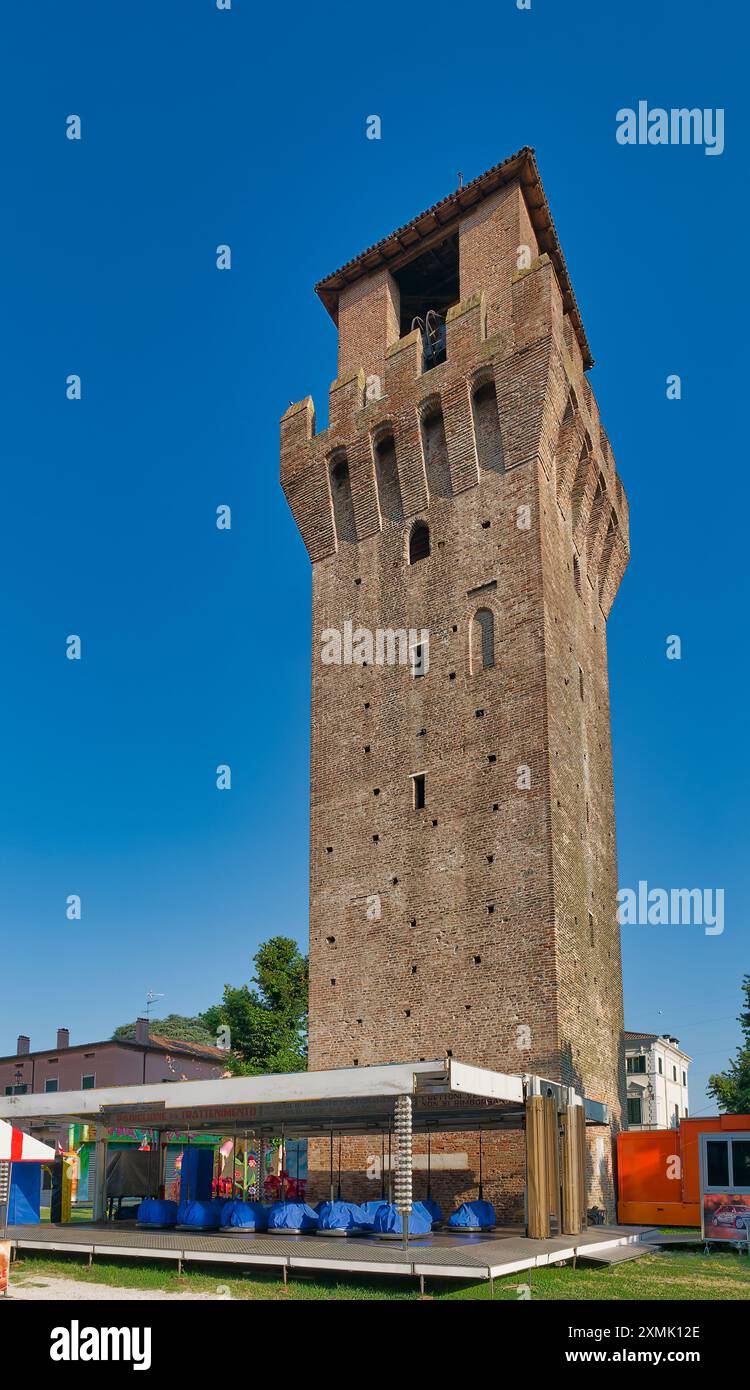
<point>618,1254</point>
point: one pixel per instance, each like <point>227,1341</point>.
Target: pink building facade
<point>114,1062</point>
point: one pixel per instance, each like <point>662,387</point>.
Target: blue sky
<point>248,127</point>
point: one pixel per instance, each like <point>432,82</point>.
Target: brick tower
<point>464,503</point>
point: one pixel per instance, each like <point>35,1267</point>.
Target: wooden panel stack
<point>573,1169</point>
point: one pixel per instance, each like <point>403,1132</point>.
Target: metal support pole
<point>282,1165</point>
<point>100,1169</point>
<point>5,1174</point>
<point>163,1147</point>
<point>404,1162</point>
<point>330,1189</point>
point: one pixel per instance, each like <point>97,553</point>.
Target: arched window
<point>435,451</point>
<point>482,640</point>
<point>487,427</point>
<point>419,542</point>
<point>386,473</point>
<point>341,494</point>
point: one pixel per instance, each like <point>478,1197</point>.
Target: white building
<point>657,1081</point>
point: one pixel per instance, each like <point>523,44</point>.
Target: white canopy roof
<point>447,1094</point>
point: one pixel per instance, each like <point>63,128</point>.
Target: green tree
<point>731,1088</point>
<point>173,1026</point>
<point>267,1024</point>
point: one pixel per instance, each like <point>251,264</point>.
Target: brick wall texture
<point>483,924</point>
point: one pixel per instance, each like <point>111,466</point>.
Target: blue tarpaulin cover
<point>432,1207</point>
<point>367,1211</point>
<point>388,1221</point>
<point>153,1212</point>
<point>248,1216</point>
<point>292,1216</point>
<point>473,1216</point>
<point>205,1214</point>
<point>341,1216</point>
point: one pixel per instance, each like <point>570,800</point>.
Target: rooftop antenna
<point>151,998</point>
<point>460,180</point>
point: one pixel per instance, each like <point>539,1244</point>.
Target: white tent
<point>22,1148</point>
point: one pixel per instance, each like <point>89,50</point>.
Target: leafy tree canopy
<point>731,1088</point>
<point>267,1023</point>
<point>173,1026</point>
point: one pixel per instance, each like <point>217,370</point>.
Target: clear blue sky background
<point>248,127</point>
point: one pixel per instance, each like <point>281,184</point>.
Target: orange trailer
<point>658,1171</point>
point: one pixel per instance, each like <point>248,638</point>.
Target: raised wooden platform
<point>505,1251</point>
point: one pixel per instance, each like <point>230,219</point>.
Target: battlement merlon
<point>552,421</point>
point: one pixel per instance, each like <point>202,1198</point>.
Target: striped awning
<point>22,1148</point>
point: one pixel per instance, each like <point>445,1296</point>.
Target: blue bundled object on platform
<point>339,1216</point>
<point>473,1216</point>
<point>432,1207</point>
<point>244,1216</point>
<point>201,1215</point>
<point>292,1216</point>
<point>389,1222</point>
<point>367,1212</point>
<point>153,1212</point>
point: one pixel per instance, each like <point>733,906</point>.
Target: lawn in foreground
<point>671,1274</point>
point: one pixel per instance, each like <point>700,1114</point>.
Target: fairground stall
<point>400,1230</point>
<point>21,1159</point>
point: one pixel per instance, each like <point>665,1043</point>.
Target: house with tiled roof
<point>147,1057</point>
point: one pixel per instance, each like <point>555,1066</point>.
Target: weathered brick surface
<point>484,924</point>
<point>503,1168</point>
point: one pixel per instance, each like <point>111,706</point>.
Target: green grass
<point>682,1274</point>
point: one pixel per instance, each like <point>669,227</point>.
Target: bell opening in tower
<point>428,287</point>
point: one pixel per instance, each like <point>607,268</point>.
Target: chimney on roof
<point>23,1046</point>
<point>63,1038</point>
<point>141,1030</point>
